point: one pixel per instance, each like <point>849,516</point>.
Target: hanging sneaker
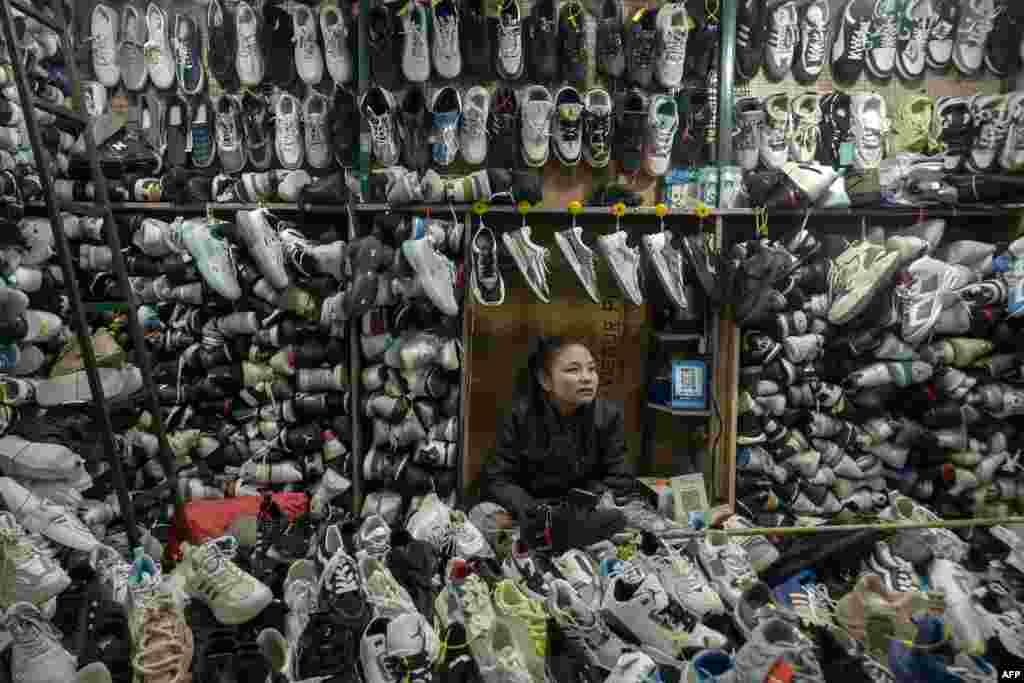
<point>159,58</point>
<point>510,41</point>
<point>597,128</point>
<point>668,265</point>
<point>806,121</point>
<point>212,255</point>
<point>611,56</point>
<point>487,283</point>
<point>383,29</point>
<point>103,35</point>
<point>288,138</point>
<point>953,127</point>
<point>673,30</point>
<point>220,27</point>
<point>335,26</point>
<point>531,259</point>
<point>976,21</point>
<point>542,28</point>
<point>662,122</point>
<point>869,129</point>
<point>749,30</point>
<point>885,29</point>
<point>475,33</point>
<point>566,138</point>
<point>249,62</point>
<point>572,41</point>
<point>631,131</point>
<point>416,48</point>
<point>811,49</point>
<point>782,36</point>
<point>917,16</point>
<point>208,573</point>
<point>446,108</point>
<point>201,130</point>
<point>378,105</point>
<point>848,51</point>
<point>580,258</point>
<point>130,52</point>
<point>939,45</point>
<point>257,134</point>
<point>473,133</point>
<point>750,119</point>
<point>318,145</point>
<point>635,602</point>
<point>188,54</point>
<point>642,39</point>
<point>446,53</point>
<point>503,122</point>
<point>229,134</point>
<point>434,271</point>
<point>413,130</point>
<point>1003,46</point>
<point>727,567</point>
<point>536,125</point>
<point>774,150</point>
<point>991,121</point>
<point>309,59</point>
<point>263,244</point>
<point>1011,158</point>
<point>624,262</point>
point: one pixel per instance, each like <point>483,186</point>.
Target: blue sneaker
<point>447,110</point>
<point>708,666</point>
<point>1014,278</point>
<point>794,584</point>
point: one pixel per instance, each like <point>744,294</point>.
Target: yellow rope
<point>881,526</point>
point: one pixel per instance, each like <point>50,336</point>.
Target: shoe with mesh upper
<point>37,655</point>
<point>680,576</point>
<point>531,259</point>
<point>851,41</point>
<point>624,262</point>
<point>434,271</point>
<point>208,573</point>
<point>668,265</point>
<point>509,53</point>
<point>538,109</point>
<point>36,576</point>
<point>727,566</point>
<point>487,284</point>
<point>580,258</point>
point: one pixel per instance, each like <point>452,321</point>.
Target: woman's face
<point>571,378</point>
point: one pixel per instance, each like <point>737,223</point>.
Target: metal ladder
<point>64,27</point>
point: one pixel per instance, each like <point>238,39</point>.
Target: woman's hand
<point>504,520</point>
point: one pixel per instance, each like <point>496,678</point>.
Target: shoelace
<point>163,648</point>
<point>643,51</point>
<point>248,46</point>
<point>663,138</point>
<point>675,45</point>
<point>735,560</point>
<point>858,41</point>
<point>510,42</point>
<point>418,32</point>
<point>227,132</point>
<point>339,576</point>
<point>288,130</point>
<point>217,563</point>
<point>474,123</point>
<point>807,133</point>
<point>977,29</point>
<point>380,131</point>
<point>384,593</point>
<point>816,44</point>
<point>183,55</point>
<point>993,134</point>
<point>598,130</point>
<point>335,41</point>
<point>447,34</point>
<point>887,33</point>
<point>570,130</point>
<point>315,130</point>
<point>782,38</point>
<point>102,49</point>
<point>814,603</point>
<point>611,40</point>
<point>540,126</point>
<point>33,634</point>
<point>305,39</point>
<point>915,126</point>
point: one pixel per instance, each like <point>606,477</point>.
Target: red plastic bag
<point>206,519</point>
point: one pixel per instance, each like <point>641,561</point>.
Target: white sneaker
<point>103,34</point>
<point>567,139</point>
<point>42,516</point>
<point>318,144</point>
<point>581,258</point>
<point>388,597</point>
<point>208,573</point>
<point>379,107</point>
<point>334,24</point>
<point>637,603</point>
<point>774,143</point>
<point>684,581</point>
<point>287,138</point>
<point>159,58</point>
<point>536,127</point>
<point>531,259</point>
<point>309,60</point>
<point>510,41</point>
<point>662,124</point>
<point>112,571</point>
<point>447,55</point>
<point>969,632</point>
<point>37,655</point>
<point>673,24</point>
<point>726,565</point>
<point>633,667</point>
<point>37,576</point>
<point>416,50</point>
<point>624,262</point>
<point>583,625</point>
<point>431,522</point>
<point>870,125</point>
<point>467,540</point>
<point>249,62</point>
<point>473,133</point>
<point>578,569</point>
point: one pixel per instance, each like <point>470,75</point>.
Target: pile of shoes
<point>889,363</point>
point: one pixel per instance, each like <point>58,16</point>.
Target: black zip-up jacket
<point>540,457</point>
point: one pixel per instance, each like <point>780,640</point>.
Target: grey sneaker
<point>510,41</point>
<point>668,264</point>
<point>584,627</point>
<point>532,260</point>
<point>287,137</point>
<point>775,645</point>
<point>314,115</point>
<point>487,283</point>
<point>624,262</point>
<point>379,107</point>
<point>923,299</point>
<point>727,566</point>
<point>760,551</point>
<point>435,273</point>
<point>581,258</point>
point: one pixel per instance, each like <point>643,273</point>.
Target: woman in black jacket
<point>559,449</point>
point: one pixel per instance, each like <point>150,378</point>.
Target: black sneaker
<point>475,36</point>
<point>414,129</point>
<point>1003,46</point>
<point>503,129</point>
<point>812,41</point>
<point>780,40</point>
<point>572,38</point>
<point>749,48</point>
<point>631,131</point>
<point>278,33</point>
<point>458,664</point>
<point>326,649</point>
<point>542,40</point>
<point>642,38</point>
<point>122,155</point>
<point>415,565</point>
<point>177,131</point>
<point>851,42</point>
<point>955,130</point>
<point>611,54</point>
<point>702,46</point>
<point>221,57</point>
<point>215,651</point>
<point>103,634</point>
<point>840,122</point>
<point>385,64</point>
<point>12,203</point>
<point>257,131</point>
<point>344,121</point>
